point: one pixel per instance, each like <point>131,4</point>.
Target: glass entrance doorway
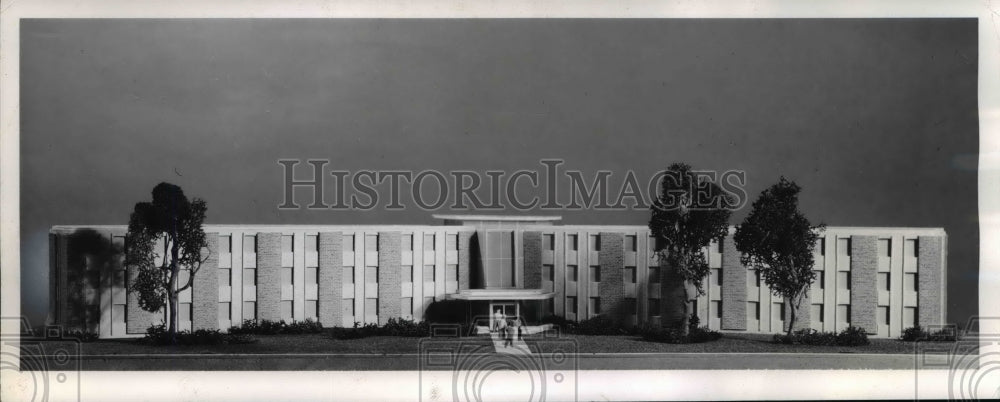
<point>509,311</point>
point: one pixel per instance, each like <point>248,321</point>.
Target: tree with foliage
<point>689,212</point>
<point>777,240</point>
<point>164,237</point>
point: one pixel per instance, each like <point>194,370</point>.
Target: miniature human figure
<point>510,335</point>
<point>520,327</point>
<point>498,318</point>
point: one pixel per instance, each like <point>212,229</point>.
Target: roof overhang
<point>501,294</point>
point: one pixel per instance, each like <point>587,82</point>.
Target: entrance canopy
<point>501,294</point>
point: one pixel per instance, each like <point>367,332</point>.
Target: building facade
<point>881,279</point>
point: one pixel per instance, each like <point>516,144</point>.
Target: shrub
<point>267,327</point>
<point>394,327</point>
<point>917,333</point>
<point>670,335</point>
<point>600,325</point>
<point>82,336</point>
<point>852,336</point>
<point>158,335</point>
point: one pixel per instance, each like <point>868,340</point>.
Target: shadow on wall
<point>91,257</point>
<point>476,277</point>
<point>447,311</point>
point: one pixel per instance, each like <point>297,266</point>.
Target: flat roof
<point>505,218</point>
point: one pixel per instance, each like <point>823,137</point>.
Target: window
<point>844,313</point>
<point>286,310</point>
<point>311,311</point>
<point>885,247</point>
<point>225,311</point>
<point>371,306</point>
<point>630,274</point>
<point>883,315</point>
<point>406,306</point>
<point>225,277</point>
<point>817,313</point>
<point>451,242</point>
<point>312,243</point>
<point>654,307</point>
<point>844,247</point>
<point>909,317</point>
<point>594,243</point>
<point>548,242</point>
<point>571,272</point>
<point>407,273</point>
<point>910,282</point>
<point>348,243</point>
<point>630,305</point>
<point>348,307</point>
<point>844,280</point>
<point>884,281</point>
<point>571,242</point>
<point>286,276</point>
<point>756,275</point>
<point>915,247</point>
<point>249,310</point>
<point>250,244</point>
<point>429,275</point>
<point>820,280</point>
<point>371,274</point>
<point>225,244</point>
<point>654,274</point>
<point>407,242</point>
<point>312,275</point>
<point>249,277</point>
<point>630,243</point>
<point>548,272</point>
<point>371,242</point>
<point>348,275</point>
<point>780,309</point>
<point>755,308</point>
<point>821,246</point>
<point>716,309</point>
<point>287,244</point>
<point>717,274</point>
<point>571,304</point>
<point>428,242</point>
<point>595,305</point>
<point>451,272</point>
<point>595,273</point>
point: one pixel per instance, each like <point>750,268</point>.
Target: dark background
<point>876,119</point>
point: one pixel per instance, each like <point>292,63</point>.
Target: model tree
<point>688,213</point>
<point>777,240</point>
<point>165,237</point>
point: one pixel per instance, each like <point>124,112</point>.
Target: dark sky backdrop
<point>876,119</point>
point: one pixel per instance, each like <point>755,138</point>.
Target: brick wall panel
<point>929,279</point>
<point>269,276</point>
<point>611,289</point>
<point>205,289</point>
<point>464,253</point>
<point>864,292</point>
<point>734,288</point>
<point>389,281</point>
<point>533,260</point>
<point>331,279</point>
